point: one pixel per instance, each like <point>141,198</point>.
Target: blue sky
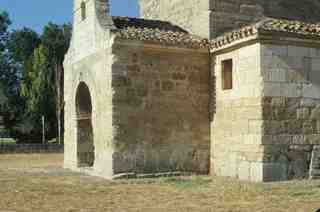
<point>36,13</point>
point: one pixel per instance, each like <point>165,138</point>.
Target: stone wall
<point>192,15</point>
<point>230,14</point>
<point>236,129</point>
<point>95,72</point>
<point>210,18</point>
<point>88,61</point>
<point>91,34</point>
<point>160,109</point>
<point>291,109</point>
<point>267,128</point>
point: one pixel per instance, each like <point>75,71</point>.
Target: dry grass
<point>36,183</point>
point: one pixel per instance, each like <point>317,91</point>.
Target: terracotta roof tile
<point>289,28</point>
<point>155,31</point>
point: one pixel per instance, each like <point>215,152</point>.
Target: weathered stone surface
<point>210,18</point>
<point>168,131</point>
<point>149,105</point>
<point>288,161</point>
<point>237,124</point>
<point>292,125</point>
<point>153,90</point>
<point>285,123</point>
<point>315,163</point>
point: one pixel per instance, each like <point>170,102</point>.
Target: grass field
<point>38,183</point>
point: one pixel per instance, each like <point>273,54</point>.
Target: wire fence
<point>12,148</point>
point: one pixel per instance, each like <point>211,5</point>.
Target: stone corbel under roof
<point>154,32</point>
<point>271,30</point>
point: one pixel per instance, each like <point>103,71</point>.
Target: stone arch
<point>85,136</point>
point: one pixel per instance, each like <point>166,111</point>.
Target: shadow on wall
<point>85,137</point>
<point>160,112</point>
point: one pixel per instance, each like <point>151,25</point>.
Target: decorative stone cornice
<point>165,33</point>
<point>269,26</point>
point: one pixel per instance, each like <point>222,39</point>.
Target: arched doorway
<point>85,142</point>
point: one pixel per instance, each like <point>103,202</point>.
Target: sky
<point>35,14</point>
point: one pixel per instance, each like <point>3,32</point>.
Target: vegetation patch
<point>187,182</point>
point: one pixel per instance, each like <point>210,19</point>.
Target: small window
<point>227,74</point>
<point>83,11</point>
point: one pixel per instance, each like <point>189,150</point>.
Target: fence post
<point>43,131</point>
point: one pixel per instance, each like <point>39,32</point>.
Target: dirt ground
<point>37,182</point>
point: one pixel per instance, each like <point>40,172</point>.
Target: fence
<point>30,148</point>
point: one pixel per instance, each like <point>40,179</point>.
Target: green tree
<point>31,78</point>
<point>57,40</point>
<point>19,48</point>
<point>4,25</point>
<point>5,65</point>
<point>42,85</point>
<point>8,76</point>
<point>21,44</point>
<point>38,90</point>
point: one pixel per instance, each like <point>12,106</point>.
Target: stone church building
<point>222,87</point>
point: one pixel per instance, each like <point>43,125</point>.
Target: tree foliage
<point>8,73</point>
<point>5,66</point>
<point>21,44</point>
<point>38,90</point>
<point>43,79</point>
<point>31,75</point>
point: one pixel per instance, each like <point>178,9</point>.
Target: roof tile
<point>156,32</point>
<point>290,28</point>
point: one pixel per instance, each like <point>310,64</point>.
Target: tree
<point>42,85</point>
<point>38,90</point>
<point>21,44</point>
<point>19,48</point>
<point>4,25</point>
<point>5,67</point>
<point>31,78</point>
<point>8,77</point>
<point>57,40</point>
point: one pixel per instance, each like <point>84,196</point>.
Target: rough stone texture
<point>160,109</point>
<point>291,101</point>
<point>267,127</point>
<point>192,15</point>
<point>149,103</point>
<point>236,129</point>
<point>315,163</point>
<point>88,62</point>
<point>153,95</point>
<point>210,18</point>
